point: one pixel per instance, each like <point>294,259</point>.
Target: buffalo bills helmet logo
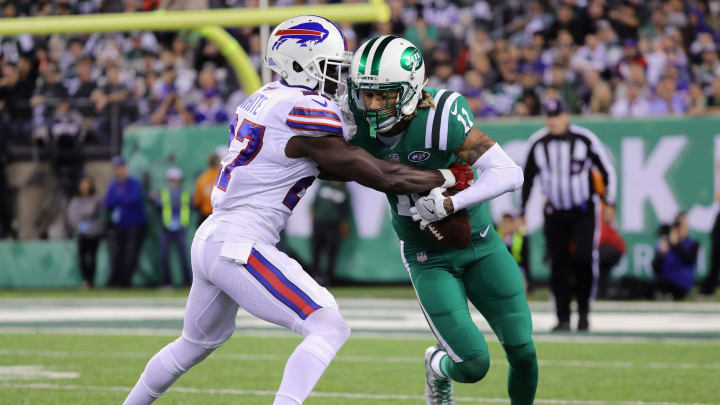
<point>303,33</point>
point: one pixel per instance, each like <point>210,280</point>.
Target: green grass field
<point>47,356</point>
<point>247,370</point>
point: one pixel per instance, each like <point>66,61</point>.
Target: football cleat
<point>438,390</point>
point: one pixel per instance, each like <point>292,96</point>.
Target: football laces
<point>435,232</point>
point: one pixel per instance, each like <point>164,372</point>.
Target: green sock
<point>445,366</point>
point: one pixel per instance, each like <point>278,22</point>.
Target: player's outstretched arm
<point>332,177</point>
<point>337,158</point>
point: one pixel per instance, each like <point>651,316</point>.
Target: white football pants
<point>229,273</point>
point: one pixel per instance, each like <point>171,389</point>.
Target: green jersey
<point>428,142</point>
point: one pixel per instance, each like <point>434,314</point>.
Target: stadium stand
<point>65,94</point>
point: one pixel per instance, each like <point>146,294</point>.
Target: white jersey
<point>258,185</point>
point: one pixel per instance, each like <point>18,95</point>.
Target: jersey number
<point>250,136</point>
<point>297,191</point>
<point>466,122</point>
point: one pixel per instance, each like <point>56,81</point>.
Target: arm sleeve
<point>314,115</point>
<point>499,174</point>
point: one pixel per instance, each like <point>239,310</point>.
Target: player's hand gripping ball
<point>451,230</point>
<point>429,208</point>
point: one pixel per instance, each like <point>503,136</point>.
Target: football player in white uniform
<point>281,138</point>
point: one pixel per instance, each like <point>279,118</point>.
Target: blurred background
<point>643,75</point>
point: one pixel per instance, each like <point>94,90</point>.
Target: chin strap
<point>373,127</point>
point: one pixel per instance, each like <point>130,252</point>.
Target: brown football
<point>453,231</point>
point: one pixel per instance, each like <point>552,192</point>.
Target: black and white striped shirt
<point>564,164</point>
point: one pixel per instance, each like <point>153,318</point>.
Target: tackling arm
<point>337,158</point>
<point>324,175</point>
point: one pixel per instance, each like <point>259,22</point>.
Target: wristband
<point>449,178</point>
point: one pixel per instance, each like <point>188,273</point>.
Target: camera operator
<point>675,259</point>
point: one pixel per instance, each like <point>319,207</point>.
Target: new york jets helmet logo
<point>411,60</point>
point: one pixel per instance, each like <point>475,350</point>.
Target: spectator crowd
<point>79,86</point>
<point>626,58</point>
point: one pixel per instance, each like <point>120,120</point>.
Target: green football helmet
<point>389,65</point>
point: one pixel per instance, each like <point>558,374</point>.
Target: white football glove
<point>430,208</point>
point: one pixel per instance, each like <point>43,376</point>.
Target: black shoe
<point>561,327</point>
<point>583,324</point>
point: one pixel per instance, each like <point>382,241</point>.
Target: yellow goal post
<point>206,22</point>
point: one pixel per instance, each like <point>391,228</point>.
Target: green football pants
<point>494,285</point>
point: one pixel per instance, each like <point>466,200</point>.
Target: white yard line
<point>423,335</point>
<point>375,319</point>
<point>362,359</point>
<point>362,303</point>
<point>342,395</point>
<point>612,322</point>
<point>33,372</point>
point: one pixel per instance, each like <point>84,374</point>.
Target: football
<point>453,231</point>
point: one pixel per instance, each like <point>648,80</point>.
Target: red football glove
<point>464,176</point>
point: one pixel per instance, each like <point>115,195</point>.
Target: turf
<point>400,291</point>
<point>390,291</point>
<point>249,370</point>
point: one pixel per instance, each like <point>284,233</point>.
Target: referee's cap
<point>553,107</point>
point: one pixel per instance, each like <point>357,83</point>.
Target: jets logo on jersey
<point>418,156</point>
<point>303,33</point>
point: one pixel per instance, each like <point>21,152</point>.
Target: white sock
<point>326,332</point>
<point>140,395</point>
<point>435,364</point>
<point>303,370</point>
<point>164,368</point>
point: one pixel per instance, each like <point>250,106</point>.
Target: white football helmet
<point>386,64</point>
<point>317,45</point>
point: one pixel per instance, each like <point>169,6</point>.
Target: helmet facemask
<point>384,118</point>
<point>330,74</point>
<point>392,68</point>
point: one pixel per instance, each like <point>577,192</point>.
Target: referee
<point>564,156</point>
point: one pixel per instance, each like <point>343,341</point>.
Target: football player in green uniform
<point>399,120</point>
